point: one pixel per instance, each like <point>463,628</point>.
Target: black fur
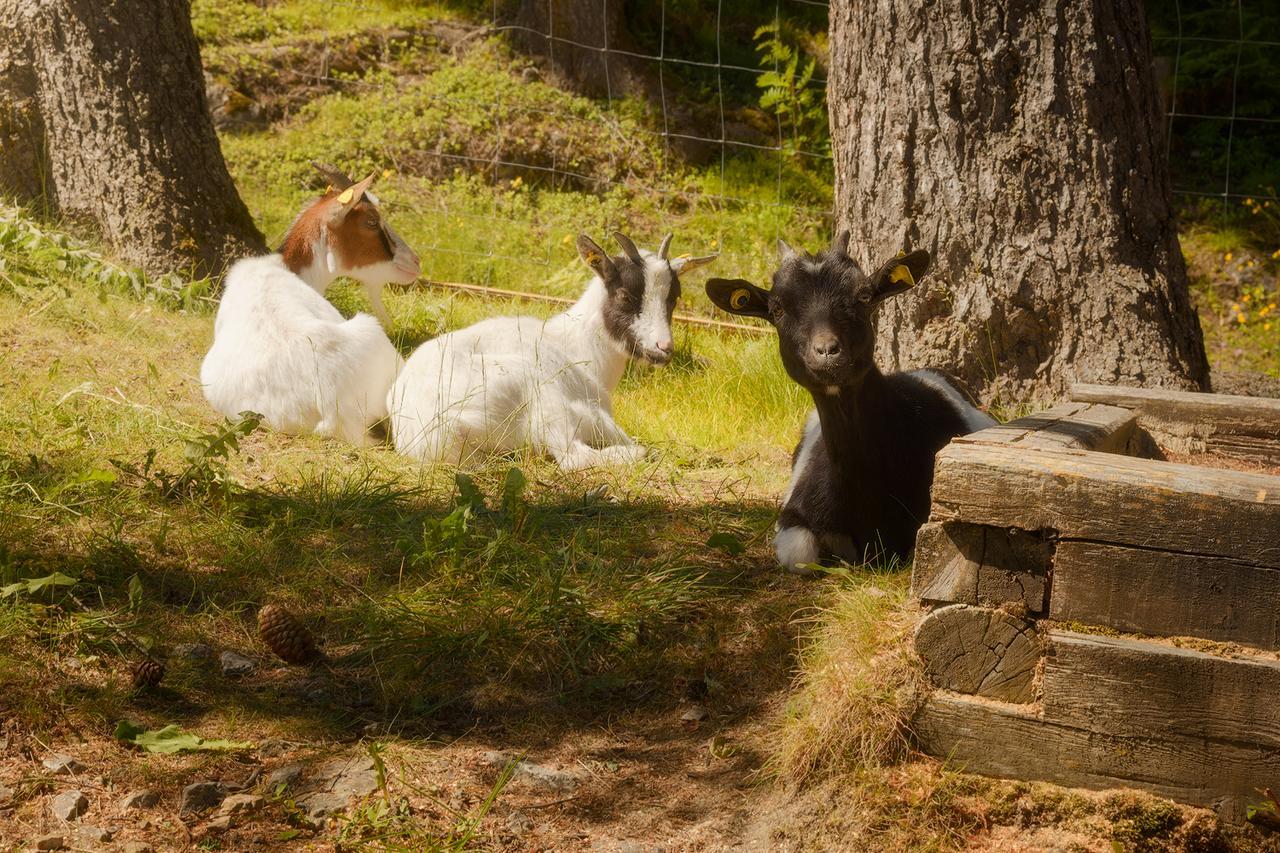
<point>624,280</point>
<point>867,479</point>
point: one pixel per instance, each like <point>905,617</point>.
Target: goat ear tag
<point>739,298</point>
<point>345,197</point>
<point>900,273</point>
<point>592,259</point>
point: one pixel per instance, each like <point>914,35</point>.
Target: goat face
<point>822,307</point>
<point>346,227</point>
<point>641,291</point>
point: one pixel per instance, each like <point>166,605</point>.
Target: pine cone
<point>147,673</point>
<point>286,636</point>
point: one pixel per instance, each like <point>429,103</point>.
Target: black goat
<point>861,474</point>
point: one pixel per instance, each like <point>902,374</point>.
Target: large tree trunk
<point>580,40</point>
<point>117,109</point>
<point>1022,144</point>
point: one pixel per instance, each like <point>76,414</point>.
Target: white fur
<point>809,439</point>
<point>510,381</point>
<point>280,349</point>
<point>796,547</point>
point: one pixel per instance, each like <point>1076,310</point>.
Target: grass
<point>508,598</point>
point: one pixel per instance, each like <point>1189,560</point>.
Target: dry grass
<point>858,683</point>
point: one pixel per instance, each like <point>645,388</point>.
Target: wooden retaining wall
<point>1055,534</point>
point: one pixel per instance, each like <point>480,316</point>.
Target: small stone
<point>94,834</point>
<point>193,651</point>
<point>64,765</point>
<point>535,774</point>
<point>696,714</point>
<point>283,778</point>
<point>137,847</point>
<point>144,799</point>
<point>69,805</point>
<point>51,842</point>
<point>218,825</point>
<point>201,796</point>
<point>336,783</point>
<point>235,665</point>
<point>6,795</point>
<point>519,823</point>
<point>273,747</point>
<point>242,804</point>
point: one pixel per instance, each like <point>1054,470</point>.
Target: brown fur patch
<point>359,241</point>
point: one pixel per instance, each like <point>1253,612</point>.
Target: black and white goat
<point>861,474</point>
<point>510,381</point>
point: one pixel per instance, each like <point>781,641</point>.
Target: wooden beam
<point>1066,426</point>
<point>964,563</point>
<point>980,651</point>
<point>1189,422</point>
<point>1143,689</point>
<point>1166,594</point>
<point>1010,741</point>
<point>1160,506</point>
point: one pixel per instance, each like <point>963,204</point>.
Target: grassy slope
<point>533,620</point>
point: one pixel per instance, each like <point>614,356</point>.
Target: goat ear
<point>738,296</point>
<point>898,275</point>
<point>344,201</point>
<point>684,263</point>
<point>596,258</point>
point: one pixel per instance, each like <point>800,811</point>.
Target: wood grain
<point>964,563</point>
<point>979,651</point>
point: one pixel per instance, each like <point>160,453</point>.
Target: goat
<point>281,350</point>
<point>862,471</point>
<point>510,381</point>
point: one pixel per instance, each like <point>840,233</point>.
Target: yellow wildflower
<point>1241,318</point>
<point>1245,299</point>
<point>1266,327</point>
<point>1227,257</point>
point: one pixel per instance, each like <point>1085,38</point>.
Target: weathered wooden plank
<point>1188,422</point>
<point>1009,741</point>
<point>1143,689</point>
<point>979,651</point>
<point>1164,506</point>
<point>1166,594</point>
<point>964,563</point>
<point>1066,426</point>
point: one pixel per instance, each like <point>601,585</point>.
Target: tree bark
<point>580,40</point>
<point>1022,144</point>
<point>124,134</point>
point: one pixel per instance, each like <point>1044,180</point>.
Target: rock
<point>242,804</point>
<point>94,834</point>
<point>336,783</point>
<point>193,651</point>
<point>235,665</point>
<point>137,847</point>
<point>6,795</point>
<point>69,805</point>
<point>695,714</point>
<point>51,842</point>
<point>519,823</point>
<point>218,825</point>
<point>201,796</point>
<point>273,747</point>
<point>284,778</point>
<point>144,799</point>
<point>64,765</point>
<point>538,775</point>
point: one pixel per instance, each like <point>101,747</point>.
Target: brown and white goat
<point>281,350</point>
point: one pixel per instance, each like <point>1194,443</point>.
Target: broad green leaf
<point>726,542</point>
<point>33,585</point>
<point>171,739</point>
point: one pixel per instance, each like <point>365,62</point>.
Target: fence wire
<point>1215,63</point>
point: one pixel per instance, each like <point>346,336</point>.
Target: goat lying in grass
<point>510,381</point>
<point>281,350</point>
<point>861,474</point>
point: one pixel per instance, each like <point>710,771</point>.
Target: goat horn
<point>784,250</point>
<point>627,246</point>
<point>840,245</point>
<point>333,174</point>
<point>666,244</point>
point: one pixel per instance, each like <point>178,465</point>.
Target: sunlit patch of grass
<point>858,682</point>
<point>223,21</point>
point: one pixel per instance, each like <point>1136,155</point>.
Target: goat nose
<point>665,345</point>
<point>826,346</point>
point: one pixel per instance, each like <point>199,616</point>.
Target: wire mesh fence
<point>708,118</point>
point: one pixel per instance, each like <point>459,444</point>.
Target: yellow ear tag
<point>345,198</point>
<point>592,259</point>
<point>739,298</point>
<point>900,273</point>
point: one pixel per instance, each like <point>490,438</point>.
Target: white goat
<point>510,381</point>
<point>279,347</point>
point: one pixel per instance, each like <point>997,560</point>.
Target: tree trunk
<point>1022,144</point>
<point>124,133</point>
<point>580,39</point>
